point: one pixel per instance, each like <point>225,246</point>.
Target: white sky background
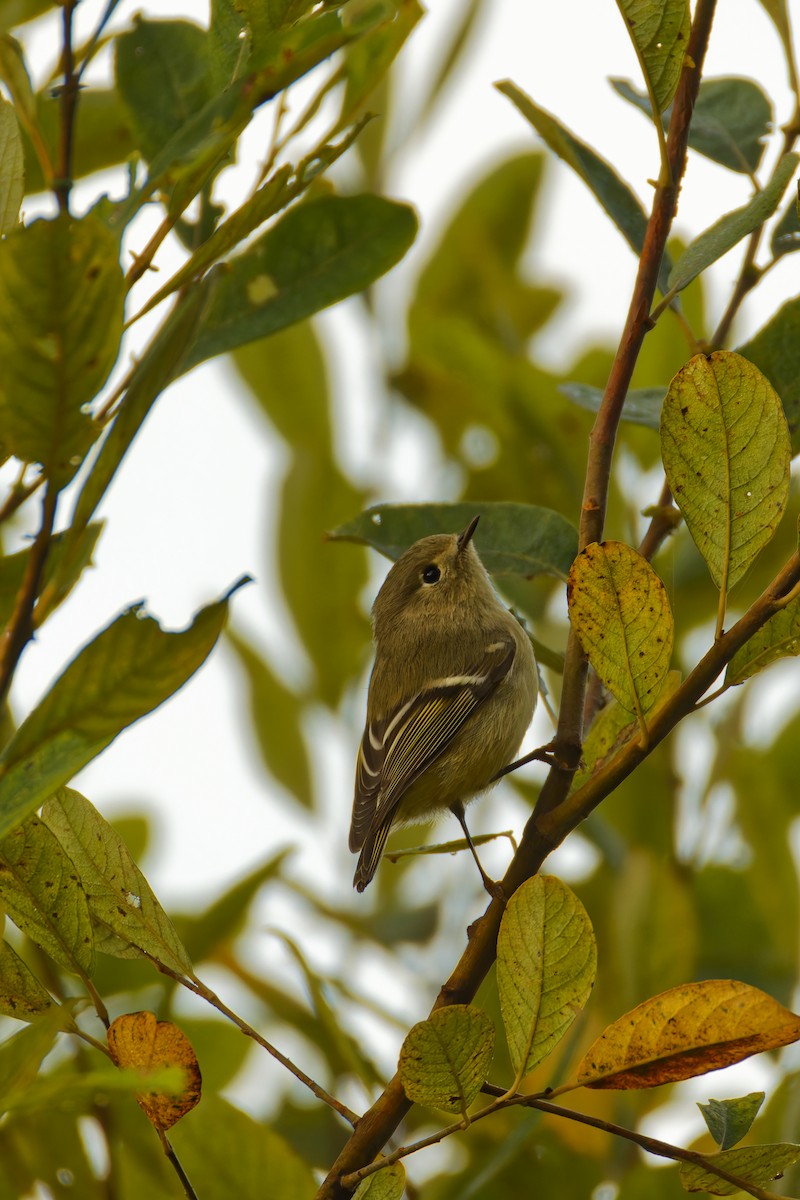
<point>191,509</point>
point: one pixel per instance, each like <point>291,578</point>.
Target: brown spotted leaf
<point>620,612</point>
<point>139,1042</point>
<point>687,1031</point>
<point>444,1060</point>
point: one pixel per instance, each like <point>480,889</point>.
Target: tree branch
<point>377,1125</point>
<point>19,630</point>
<point>62,185</point>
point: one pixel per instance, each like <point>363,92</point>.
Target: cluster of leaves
<point>662,894</point>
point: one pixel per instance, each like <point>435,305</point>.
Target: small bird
<point>452,692</point>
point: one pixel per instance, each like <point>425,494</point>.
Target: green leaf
<point>775,350</point>
<point>726,452</point>
<point>233,1155</point>
<point>659,30</point>
<point>21,1054</point>
<point>387,1184</point>
<point>57,581</point>
<point>731,120</point>
<point>757,1165</point>
<point>512,539</point>
<point>125,672</point>
<point>42,894</point>
<point>15,75</point>
<point>17,12</point>
<point>103,134</point>
<point>277,714</point>
<point>611,192</point>
<point>267,200</point>
<point>21,994</point>
<point>642,405</point>
<point>620,612</point>
<point>723,235</point>
<point>785,238</point>
<point>318,253</point>
<point>119,897</point>
<point>729,1120</point>
<point>778,638</point>
<point>55,277</point>
<point>163,78</point>
<point>546,965</point>
<point>12,172</point>
<point>611,729</point>
<point>445,1059</point>
<point>368,60</point>
<point>199,147</point>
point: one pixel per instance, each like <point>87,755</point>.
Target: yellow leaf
<point>726,450</point>
<point>686,1031</point>
<point>619,610</point>
<point>140,1042</point>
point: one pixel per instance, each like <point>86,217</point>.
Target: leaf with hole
<point>659,30</point>
<point>128,919</point>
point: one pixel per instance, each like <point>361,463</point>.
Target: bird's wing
<point>396,750</point>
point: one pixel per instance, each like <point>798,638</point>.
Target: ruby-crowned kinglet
<point>451,695</point>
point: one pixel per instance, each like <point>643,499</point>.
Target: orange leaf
<point>138,1041</point>
<point>688,1030</point>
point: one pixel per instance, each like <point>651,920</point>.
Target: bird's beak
<point>465,538</point>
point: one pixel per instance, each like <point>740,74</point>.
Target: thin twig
<point>67,109</point>
<point>19,630</point>
<point>205,993</point>
<point>175,1163</point>
<point>19,493</point>
<point>93,45</point>
<point>516,1100</point>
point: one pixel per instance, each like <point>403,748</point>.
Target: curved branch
<point>377,1125</point>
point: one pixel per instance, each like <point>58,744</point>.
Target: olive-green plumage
<point>452,692</point>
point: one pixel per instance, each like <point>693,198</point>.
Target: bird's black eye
<point>431,573</point>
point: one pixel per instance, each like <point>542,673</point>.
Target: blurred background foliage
<point>688,871</point>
